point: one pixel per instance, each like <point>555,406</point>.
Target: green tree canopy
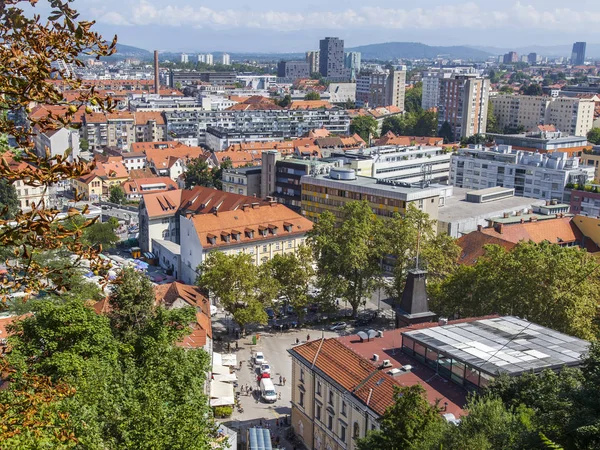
<point>117,194</point>
<point>365,126</point>
<point>446,132</point>
<point>286,101</point>
<point>349,255</point>
<point>312,95</point>
<point>413,98</point>
<point>101,234</point>
<point>417,123</point>
<point>9,202</point>
<point>198,174</point>
<point>533,89</point>
<point>492,120</point>
<point>545,283</point>
<point>217,175</point>
<point>236,281</point>
<point>593,136</point>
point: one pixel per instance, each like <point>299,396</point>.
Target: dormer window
<point>263,231</point>
<point>250,233</point>
<point>287,227</point>
<point>225,236</point>
<point>212,239</point>
<point>273,229</point>
<point>237,236</point>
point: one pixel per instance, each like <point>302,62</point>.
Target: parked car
<point>259,358</point>
<point>337,326</point>
<point>265,367</point>
<point>270,313</point>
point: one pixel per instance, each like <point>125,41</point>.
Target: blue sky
<point>296,26</point>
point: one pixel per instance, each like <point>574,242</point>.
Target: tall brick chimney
<point>156,80</point>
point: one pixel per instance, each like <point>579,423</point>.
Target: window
<point>301,402</point>
<point>289,244</point>
<point>330,398</point>
<point>356,430</point>
<point>302,375</point>
<point>264,249</point>
<point>330,422</point>
<point>343,408</point>
<point>318,388</point>
<point>318,412</point>
<point>343,433</point>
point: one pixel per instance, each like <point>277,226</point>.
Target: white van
<point>267,390</point>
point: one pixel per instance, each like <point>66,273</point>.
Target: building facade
<point>463,103</point>
<point>313,60</point>
<point>534,175</point>
<point>574,116</point>
<point>377,89</point>
<point>331,191</point>
<point>225,59</point>
<point>57,142</point>
<point>352,61</point>
<point>431,84</point>
<point>510,58</point>
<point>578,54</point>
<point>293,69</point>
<point>243,181</point>
<point>331,58</point>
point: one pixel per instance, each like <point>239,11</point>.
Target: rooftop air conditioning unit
<point>387,363</point>
<point>375,357</point>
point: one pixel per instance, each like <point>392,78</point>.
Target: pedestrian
<point>277,422</point>
<point>297,341</point>
<point>307,337</point>
<point>237,346</point>
<point>240,365</point>
<point>280,380</point>
<point>279,396</point>
<point>284,381</point>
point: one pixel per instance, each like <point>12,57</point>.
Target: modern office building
<point>574,116</point>
<point>463,103</point>
<point>352,61</point>
<point>375,89</point>
<point>313,60</point>
<point>332,190</point>
<point>578,54</point>
<point>293,69</point>
<point>534,175</point>
<point>331,59</point>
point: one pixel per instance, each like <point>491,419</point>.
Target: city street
<point>256,413</point>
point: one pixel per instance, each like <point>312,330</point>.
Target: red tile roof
<point>472,246</point>
<point>141,185</point>
<point>166,158</point>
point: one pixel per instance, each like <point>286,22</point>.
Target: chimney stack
<point>479,227</point>
<point>156,80</point>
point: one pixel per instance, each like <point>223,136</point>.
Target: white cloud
<point>464,16</point>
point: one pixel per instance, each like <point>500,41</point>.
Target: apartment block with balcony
<point>243,181</point>
<point>376,89</point>
<point>534,175</point>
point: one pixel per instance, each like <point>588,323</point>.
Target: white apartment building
<point>57,142</point>
<point>574,116</point>
<point>201,58</point>
<point>184,58</point>
<point>409,164</point>
<point>209,59</point>
<point>534,175</point>
<point>226,59</point>
<point>431,84</point>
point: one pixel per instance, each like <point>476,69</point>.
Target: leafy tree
<point>492,120</point>
<point>545,283</point>
<point>489,425</point>
<point>404,236</point>
<point>506,89</point>
<point>9,202</point>
<point>312,95</point>
<point>593,136</point>
<point>101,235</point>
<point>349,104</point>
<point>235,281</point>
<point>286,101</point>
<point>413,98</point>
<point>84,145</point>
<point>474,139</point>
<point>349,255</point>
<point>31,45</point>
<point>217,175</point>
<point>293,273</point>
<point>407,422</point>
<point>365,126</point>
<point>198,174</point>
<point>418,123</point>
<point>426,124</point>
<point>117,194</point>
<point>533,89</point>
<point>446,132</point>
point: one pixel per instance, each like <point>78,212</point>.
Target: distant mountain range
<point>416,50</point>
<point>551,51</point>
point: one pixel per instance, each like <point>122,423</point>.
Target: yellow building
<point>592,159</point>
<point>89,186</point>
<point>330,192</point>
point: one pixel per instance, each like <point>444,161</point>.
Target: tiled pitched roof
<point>113,168</point>
<point>141,185</point>
<point>166,158</point>
<point>140,147</point>
<point>472,246</point>
<point>198,200</point>
<point>248,222</point>
<point>140,173</point>
<point>559,230</point>
<point>310,104</point>
<point>142,118</point>
<point>391,139</point>
<point>240,158</point>
<point>255,103</point>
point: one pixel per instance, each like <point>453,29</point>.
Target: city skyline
<point>182,25</point>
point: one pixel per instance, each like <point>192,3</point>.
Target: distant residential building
<point>27,194</point>
<point>293,69</point>
<point>134,189</point>
<point>510,58</point>
<point>312,58</point>
<point>376,89</point>
<point>57,142</point>
<point>532,58</point>
<point>193,77</point>
<point>534,175</point>
<point>134,160</point>
<point>184,58</point>
<point>331,59</point>
<point>574,116</point>
<point>331,191</point>
<point>225,59</point>
<point>352,61</point>
<point>578,54</point>
<point>201,58</point>
<point>341,92</point>
<point>544,139</point>
<point>586,203</point>
<point>209,59</point>
<point>242,181</point>
<point>172,162</point>
<point>431,83</point>
<point>463,103</point>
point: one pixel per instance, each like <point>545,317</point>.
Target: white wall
<point>191,250</point>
